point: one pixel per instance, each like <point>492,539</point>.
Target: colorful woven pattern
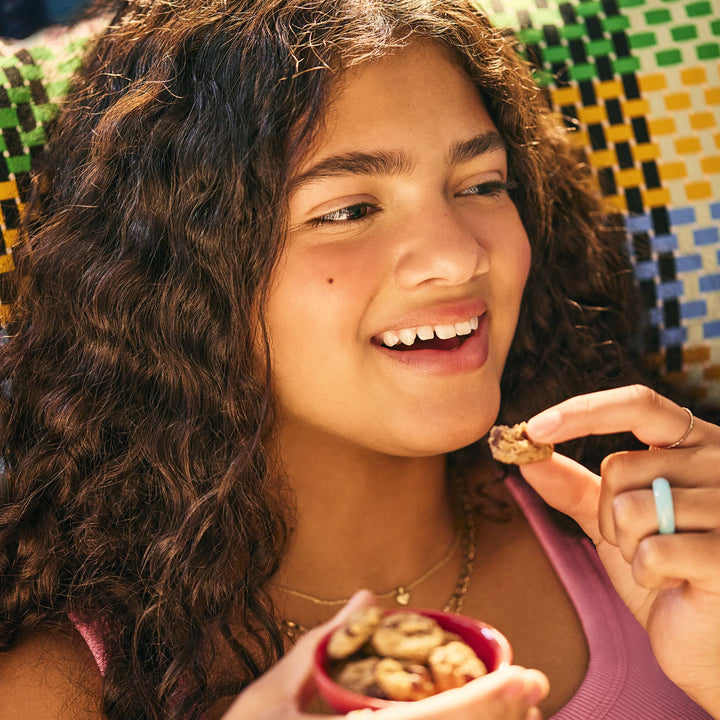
<point>639,83</point>
<point>32,84</point>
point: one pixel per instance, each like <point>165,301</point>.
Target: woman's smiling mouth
<point>441,350</point>
<point>428,337</point>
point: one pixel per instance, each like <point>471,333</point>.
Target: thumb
<point>304,651</point>
<point>568,487</point>
<point>281,691</point>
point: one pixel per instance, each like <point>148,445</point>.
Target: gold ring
<point>684,437</point>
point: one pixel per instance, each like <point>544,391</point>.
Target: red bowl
<point>490,645</point>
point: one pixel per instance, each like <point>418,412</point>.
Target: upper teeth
<point>407,336</point>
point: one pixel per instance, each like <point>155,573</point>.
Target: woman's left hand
<point>670,582</point>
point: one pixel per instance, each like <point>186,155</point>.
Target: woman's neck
<point>363,520</point>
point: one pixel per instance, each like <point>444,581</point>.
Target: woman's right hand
<point>283,692</point>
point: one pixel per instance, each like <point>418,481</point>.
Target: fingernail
<point>544,424</point>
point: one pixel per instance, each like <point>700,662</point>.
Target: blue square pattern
<point>682,216</point>
<point>706,236</point>
<point>688,263</point>
<point>715,210</point>
<point>693,309</point>
<point>646,270</point>
<point>665,243</point>
<point>711,329</point>
<point>673,289</point>
<point>674,336</point>
<point>641,223</point>
<point>709,283</point>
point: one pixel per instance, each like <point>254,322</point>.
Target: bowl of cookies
<point>379,657</point>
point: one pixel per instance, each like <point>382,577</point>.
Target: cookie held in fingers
<point>511,445</point>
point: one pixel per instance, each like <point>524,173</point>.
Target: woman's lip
<point>469,356</point>
<point>447,314</point>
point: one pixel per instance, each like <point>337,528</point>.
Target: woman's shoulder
<point>50,675</point>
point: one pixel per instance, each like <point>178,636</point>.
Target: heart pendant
<point>402,596</point>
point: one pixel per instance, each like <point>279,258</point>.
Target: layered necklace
<point>465,537</point>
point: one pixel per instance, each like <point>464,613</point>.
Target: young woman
<point>287,263</point>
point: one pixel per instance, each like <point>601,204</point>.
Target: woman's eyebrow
<point>465,150</point>
<point>381,162</point>
<point>387,162</point>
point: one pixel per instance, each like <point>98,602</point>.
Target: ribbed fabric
<point>623,680</point>
<point>92,638</point>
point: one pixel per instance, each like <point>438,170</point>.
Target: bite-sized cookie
<point>454,664</point>
<point>511,444</point>
<point>403,681</point>
<point>357,630</point>
<point>358,676</point>
<point>407,636</point>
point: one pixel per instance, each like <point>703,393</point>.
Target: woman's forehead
<point>379,103</point>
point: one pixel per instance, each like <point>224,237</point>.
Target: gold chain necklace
<point>401,594</point>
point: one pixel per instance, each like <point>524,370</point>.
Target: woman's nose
<point>440,248</point>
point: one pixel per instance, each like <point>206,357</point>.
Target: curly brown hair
<point>140,492</point>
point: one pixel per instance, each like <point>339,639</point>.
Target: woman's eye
<point>491,189</point>
<point>346,214</point>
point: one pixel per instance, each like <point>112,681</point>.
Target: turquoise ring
<point>664,506</point>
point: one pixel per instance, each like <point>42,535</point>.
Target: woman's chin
<point>441,443</point>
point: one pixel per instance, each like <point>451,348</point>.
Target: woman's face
<point>394,305</point>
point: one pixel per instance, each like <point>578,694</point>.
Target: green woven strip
<point>57,89</point>
<point>615,23</point>
<point>588,9</point>
<point>19,95</point>
<point>45,112</point>
<point>684,32</point>
<point>18,164</point>
<point>8,118</point>
<point>31,72</point>
<point>708,51</point>
<point>574,31</point>
<point>556,54</point>
<point>655,17</point>
<point>583,71</point>
<point>35,137</point>
<point>530,36</point>
<point>669,57</point>
<point>642,40</point>
<point>597,48</point>
<point>699,9</point>
<point>626,65</point>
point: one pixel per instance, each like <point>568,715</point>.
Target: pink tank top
<point>623,680</point>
